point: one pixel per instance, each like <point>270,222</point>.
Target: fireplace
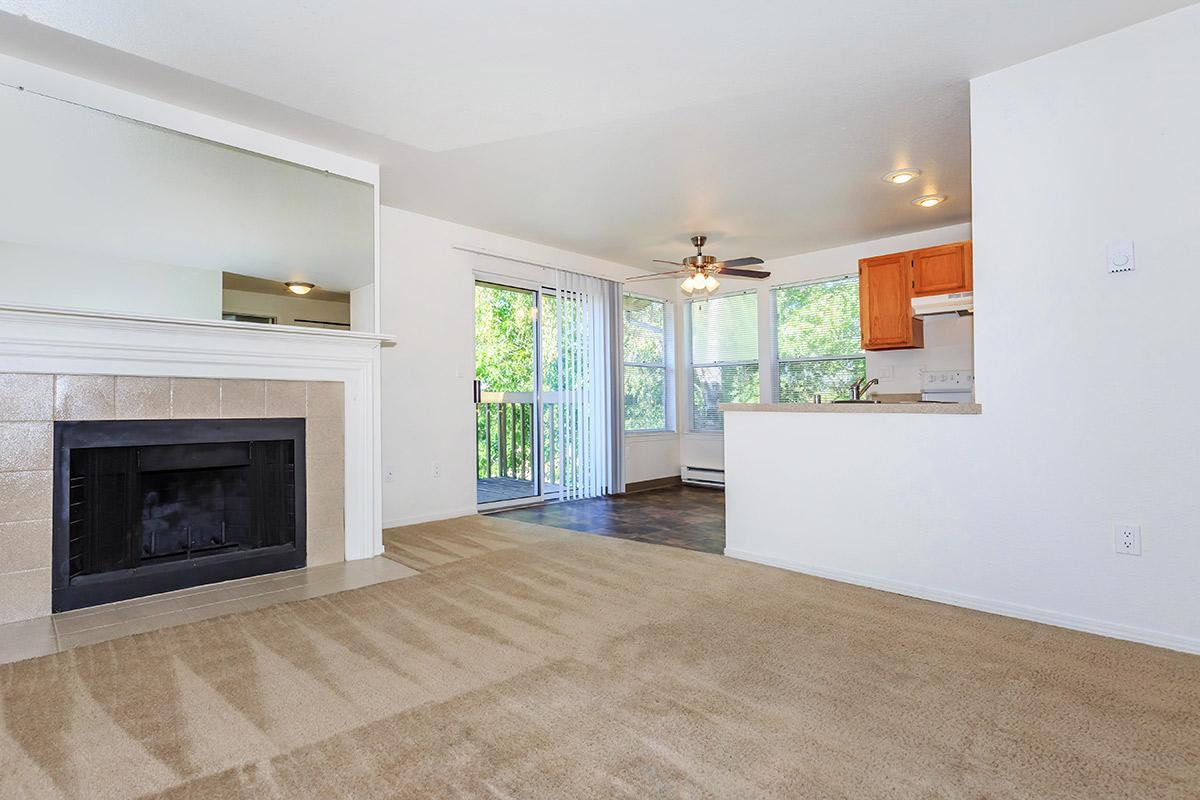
<point>148,506</point>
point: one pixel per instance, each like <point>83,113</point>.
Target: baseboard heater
<point>703,476</point>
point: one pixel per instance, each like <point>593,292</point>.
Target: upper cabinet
<point>887,285</point>
<point>941,270</point>
<point>885,304</point>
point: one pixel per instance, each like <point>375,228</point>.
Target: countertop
<point>858,408</point>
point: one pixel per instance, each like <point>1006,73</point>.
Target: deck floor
<point>491,490</point>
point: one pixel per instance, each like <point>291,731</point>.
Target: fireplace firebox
<point>149,506</point>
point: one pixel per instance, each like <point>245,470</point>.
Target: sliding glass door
<point>544,372</point>
<point>507,397</point>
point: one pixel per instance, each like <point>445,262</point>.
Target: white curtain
<point>582,407</point>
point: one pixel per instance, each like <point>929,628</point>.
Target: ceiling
<point>614,129</point>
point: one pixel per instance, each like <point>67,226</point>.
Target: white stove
<point>948,386</point>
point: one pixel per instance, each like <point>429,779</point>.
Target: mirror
<point>104,213</point>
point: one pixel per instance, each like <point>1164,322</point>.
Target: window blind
<point>723,354</point>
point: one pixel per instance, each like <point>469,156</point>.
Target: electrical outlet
<point>437,469</point>
<point>1128,539</point>
<point>389,475</point>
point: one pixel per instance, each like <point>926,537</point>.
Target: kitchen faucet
<point>858,389</point>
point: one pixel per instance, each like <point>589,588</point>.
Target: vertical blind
<point>818,339</point>
<point>646,355</point>
<point>582,443</point>
<point>723,353</point>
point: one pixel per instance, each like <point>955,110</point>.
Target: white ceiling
<point>614,129</point>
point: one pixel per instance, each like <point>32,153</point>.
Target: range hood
<point>961,303</point>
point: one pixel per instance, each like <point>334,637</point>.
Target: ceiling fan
<point>702,270</point>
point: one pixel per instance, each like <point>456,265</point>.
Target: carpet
<point>530,662</point>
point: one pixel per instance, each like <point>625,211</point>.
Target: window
<point>818,340</point>
<point>723,354</point>
<point>647,360</point>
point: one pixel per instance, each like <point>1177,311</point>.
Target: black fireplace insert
<point>149,506</point>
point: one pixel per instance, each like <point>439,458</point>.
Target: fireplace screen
<point>151,506</point>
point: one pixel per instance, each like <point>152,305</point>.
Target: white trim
<point>772,287</point>
<point>115,319</point>
<point>663,433</point>
<point>433,516</point>
<point>1045,616</point>
<point>43,342</point>
<point>110,100</point>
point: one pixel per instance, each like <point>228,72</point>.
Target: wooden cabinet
<point>887,285</point>
<point>885,304</point>
<point>942,270</point>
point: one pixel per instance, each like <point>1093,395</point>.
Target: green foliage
<point>645,345</point>
<point>800,380</point>
<point>819,320</point>
<point>712,386</point>
<point>645,408</point>
<point>504,348</point>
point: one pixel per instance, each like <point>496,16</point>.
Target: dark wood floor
<point>680,516</point>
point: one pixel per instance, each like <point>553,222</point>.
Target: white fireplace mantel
<point>70,341</point>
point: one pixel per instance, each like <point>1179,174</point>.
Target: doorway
<point>508,398</point>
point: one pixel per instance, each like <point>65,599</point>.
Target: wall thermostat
<point>1120,256</point>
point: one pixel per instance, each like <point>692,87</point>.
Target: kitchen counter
<point>858,408</point>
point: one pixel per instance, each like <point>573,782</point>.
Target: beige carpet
<point>536,663</point>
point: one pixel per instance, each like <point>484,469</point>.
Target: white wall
<point>427,302</point>
<point>362,308</point>
<point>948,340</point>
<point>1086,378</point>
<point>42,276</point>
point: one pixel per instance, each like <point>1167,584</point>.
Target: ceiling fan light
<point>711,284</point>
<point>687,285</point>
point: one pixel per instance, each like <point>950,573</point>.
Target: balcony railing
<point>505,456</point>
<point>505,424</point>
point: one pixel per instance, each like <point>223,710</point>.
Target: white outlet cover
<point>1120,256</point>
<point>1127,539</point>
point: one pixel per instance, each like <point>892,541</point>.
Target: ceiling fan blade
<point>658,275</point>
<point>672,263</point>
<point>741,262</point>
<point>744,273</point>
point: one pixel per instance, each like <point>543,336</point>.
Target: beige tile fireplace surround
<point>31,403</point>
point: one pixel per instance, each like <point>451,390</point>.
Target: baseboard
<point>1058,619</point>
<point>653,483</point>
<point>432,516</point>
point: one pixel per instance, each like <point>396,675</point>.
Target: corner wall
<point>1086,378</point>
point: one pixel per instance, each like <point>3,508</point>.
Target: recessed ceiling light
<point>901,176</point>
<point>929,200</point>
<point>299,287</point>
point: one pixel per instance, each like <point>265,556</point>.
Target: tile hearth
<point>55,634</point>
